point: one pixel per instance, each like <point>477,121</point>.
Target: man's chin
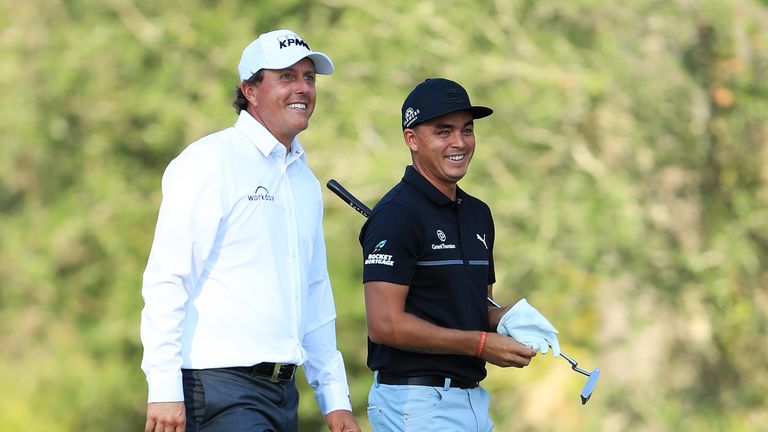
<point>300,126</point>
<point>456,175</point>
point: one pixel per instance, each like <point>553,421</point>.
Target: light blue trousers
<point>396,408</point>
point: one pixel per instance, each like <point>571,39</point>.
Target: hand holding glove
<point>528,326</point>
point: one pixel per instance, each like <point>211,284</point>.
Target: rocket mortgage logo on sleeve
<point>379,258</point>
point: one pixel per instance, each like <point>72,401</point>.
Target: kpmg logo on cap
<point>289,40</point>
<point>410,116</point>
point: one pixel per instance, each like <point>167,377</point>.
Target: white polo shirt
<point>237,273</point>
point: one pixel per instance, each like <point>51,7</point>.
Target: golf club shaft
<point>573,364</point>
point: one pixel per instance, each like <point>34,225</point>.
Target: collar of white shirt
<point>261,138</point>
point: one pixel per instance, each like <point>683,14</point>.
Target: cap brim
<point>480,111</point>
<point>476,112</point>
<point>323,63</point>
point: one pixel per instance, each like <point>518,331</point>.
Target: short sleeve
<point>390,240</point>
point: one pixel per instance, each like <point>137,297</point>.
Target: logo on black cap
<point>410,116</point>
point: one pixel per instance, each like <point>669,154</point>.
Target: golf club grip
<point>361,208</point>
<point>348,198</point>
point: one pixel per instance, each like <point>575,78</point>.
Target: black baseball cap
<point>435,97</point>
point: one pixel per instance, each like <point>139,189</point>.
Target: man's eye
<point>310,78</point>
<point>286,75</point>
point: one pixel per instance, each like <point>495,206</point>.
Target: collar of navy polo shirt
<point>418,181</point>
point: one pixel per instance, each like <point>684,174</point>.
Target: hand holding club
<point>528,326</point>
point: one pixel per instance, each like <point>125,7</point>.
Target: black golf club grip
<point>348,198</point>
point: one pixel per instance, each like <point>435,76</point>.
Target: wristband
<point>481,345</point>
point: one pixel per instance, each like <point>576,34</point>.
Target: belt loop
<point>293,373</point>
<point>376,378</point>
<point>447,385</point>
<point>276,372</point>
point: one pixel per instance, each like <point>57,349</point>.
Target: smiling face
<point>284,99</point>
<point>441,149</point>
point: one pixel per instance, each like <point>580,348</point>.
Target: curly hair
<point>240,102</point>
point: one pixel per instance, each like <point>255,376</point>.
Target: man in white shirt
<point>236,289</point>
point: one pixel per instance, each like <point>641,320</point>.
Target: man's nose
<point>459,140</point>
<point>304,86</point>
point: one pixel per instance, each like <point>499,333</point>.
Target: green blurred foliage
<point>626,165</point>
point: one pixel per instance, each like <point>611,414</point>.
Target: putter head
<point>589,387</point>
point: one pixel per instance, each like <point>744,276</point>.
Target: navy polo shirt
<point>442,250</point>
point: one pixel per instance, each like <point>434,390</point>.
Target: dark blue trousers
<point>234,400</point>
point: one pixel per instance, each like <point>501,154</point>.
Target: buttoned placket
<point>456,210</point>
<point>285,159</point>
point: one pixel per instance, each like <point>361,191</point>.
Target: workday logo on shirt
<point>261,194</point>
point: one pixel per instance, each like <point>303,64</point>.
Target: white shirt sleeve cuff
<point>165,387</point>
<point>333,397</point>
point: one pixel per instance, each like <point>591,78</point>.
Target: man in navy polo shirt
<point>428,271</point>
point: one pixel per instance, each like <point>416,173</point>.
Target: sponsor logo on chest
<point>442,237</point>
<point>261,194</point>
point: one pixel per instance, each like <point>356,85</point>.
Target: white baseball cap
<point>279,49</point>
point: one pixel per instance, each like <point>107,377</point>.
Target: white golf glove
<point>529,327</point>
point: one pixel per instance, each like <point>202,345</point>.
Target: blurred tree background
<point>626,165</point>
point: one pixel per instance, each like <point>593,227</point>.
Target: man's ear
<point>249,91</point>
<point>410,139</point>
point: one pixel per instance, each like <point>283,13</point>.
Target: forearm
<point>390,324</point>
<point>411,333</point>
